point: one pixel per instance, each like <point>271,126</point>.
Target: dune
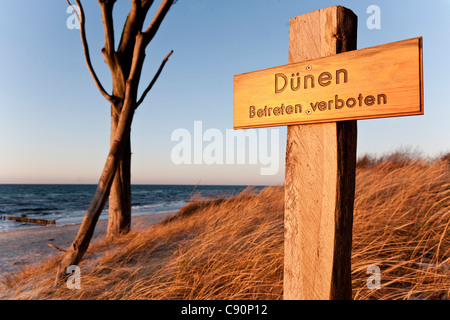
<point>233,248</point>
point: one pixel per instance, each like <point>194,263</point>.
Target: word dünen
<point>324,79</point>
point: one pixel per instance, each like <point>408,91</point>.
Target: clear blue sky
<point>54,124</point>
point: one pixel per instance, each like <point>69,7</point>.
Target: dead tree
<point>125,64</point>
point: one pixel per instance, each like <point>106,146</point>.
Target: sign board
<point>376,82</point>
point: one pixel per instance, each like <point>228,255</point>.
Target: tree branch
<point>150,32</point>
<point>55,247</point>
<point>133,23</point>
<point>86,52</point>
<point>153,80</point>
<point>108,26</point>
<point>75,11</point>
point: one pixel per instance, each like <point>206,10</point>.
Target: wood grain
<point>393,70</point>
<point>320,174</point>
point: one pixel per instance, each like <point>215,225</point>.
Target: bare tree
<point>125,64</point>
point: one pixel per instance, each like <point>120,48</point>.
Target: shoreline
<point>26,246</point>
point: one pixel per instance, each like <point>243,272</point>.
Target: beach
<point>20,248</point>
<point>25,243</point>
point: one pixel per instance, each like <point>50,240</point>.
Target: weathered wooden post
<point>320,94</point>
<point>320,174</point>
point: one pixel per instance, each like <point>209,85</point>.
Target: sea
<point>66,204</point>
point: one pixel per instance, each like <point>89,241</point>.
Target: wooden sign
<point>326,86</point>
<point>381,81</point>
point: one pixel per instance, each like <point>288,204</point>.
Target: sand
<point>19,248</point>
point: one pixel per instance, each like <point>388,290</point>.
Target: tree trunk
<point>119,212</point>
<point>115,177</point>
<point>79,246</point>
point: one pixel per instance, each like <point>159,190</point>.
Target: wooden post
<point>320,174</point>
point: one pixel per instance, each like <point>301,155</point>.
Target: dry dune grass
<point>233,248</point>
<point>402,217</point>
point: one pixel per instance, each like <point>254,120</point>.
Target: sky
<point>54,123</point>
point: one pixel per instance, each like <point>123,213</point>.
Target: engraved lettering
<point>274,111</point>
<point>325,79</point>
<point>322,105</point>
<point>295,88</point>
<point>252,111</point>
<point>384,98</point>
<point>369,100</point>
<point>351,102</point>
<point>278,75</point>
<point>360,99</point>
<point>311,77</point>
<point>289,109</point>
<point>309,80</point>
<point>339,103</point>
<point>341,71</point>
